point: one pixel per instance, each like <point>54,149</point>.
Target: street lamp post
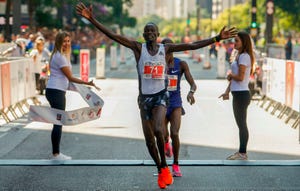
<point>7,18</point>
<point>16,17</point>
<point>198,20</point>
<point>229,13</point>
<point>188,21</point>
<point>269,20</point>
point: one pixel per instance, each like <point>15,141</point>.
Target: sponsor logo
<point>88,96</point>
<point>91,114</point>
<point>99,112</point>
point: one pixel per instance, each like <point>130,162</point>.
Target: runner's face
<point>150,32</point>
<point>66,43</point>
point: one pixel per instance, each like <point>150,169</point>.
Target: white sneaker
<point>61,156</point>
<point>238,156</point>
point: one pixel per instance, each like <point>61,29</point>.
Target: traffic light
<point>253,24</point>
<point>188,20</point>
<point>253,15</point>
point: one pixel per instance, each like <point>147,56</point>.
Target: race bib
<point>172,82</point>
<point>154,70</point>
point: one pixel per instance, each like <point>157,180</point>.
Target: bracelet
<point>192,91</point>
<point>217,38</point>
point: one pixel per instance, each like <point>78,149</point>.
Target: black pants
<point>241,100</point>
<point>37,80</point>
<point>57,100</point>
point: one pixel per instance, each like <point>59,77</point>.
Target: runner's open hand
<point>85,12</point>
<point>228,33</point>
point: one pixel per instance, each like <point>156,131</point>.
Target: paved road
<point>208,136</point>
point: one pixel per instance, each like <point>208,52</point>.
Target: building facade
<point>166,9</point>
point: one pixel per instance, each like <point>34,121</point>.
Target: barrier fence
<point>17,87</point>
<point>281,90</point>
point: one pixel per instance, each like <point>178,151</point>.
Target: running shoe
<point>176,170</point>
<point>167,176</point>
<point>160,181</point>
<point>168,149</point>
<point>238,156</point>
<point>61,156</point>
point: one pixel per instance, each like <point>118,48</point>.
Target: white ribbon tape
<point>61,117</point>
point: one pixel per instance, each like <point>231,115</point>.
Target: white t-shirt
<point>57,79</point>
<point>243,59</point>
<point>40,57</point>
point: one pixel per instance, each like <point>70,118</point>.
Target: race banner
<point>14,83</point>
<point>1,105</point>
<point>60,117</point>
<point>5,85</point>
<point>289,82</point>
<point>100,63</point>
<point>84,64</point>
<point>113,58</point>
<point>221,67</point>
<point>276,80</point>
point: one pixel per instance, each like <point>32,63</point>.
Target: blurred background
<point>270,22</point>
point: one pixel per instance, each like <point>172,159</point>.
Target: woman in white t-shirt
<point>239,76</point>
<point>40,55</point>
<point>58,83</point>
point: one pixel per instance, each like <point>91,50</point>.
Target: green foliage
<point>115,15</point>
<point>239,17</point>
<point>292,6</point>
<point>175,27</point>
<point>119,15</point>
<point>291,10</point>
<point>44,18</point>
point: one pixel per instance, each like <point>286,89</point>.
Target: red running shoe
<point>160,181</point>
<point>168,149</point>
<point>176,170</point>
<point>167,176</point>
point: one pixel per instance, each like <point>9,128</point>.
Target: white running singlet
<point>152,71</point>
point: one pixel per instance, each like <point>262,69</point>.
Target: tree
<point>115,14</point>
<point>111,12</point>
<point>40,13</point>
<point>290,8</point>
<point>31,12</point>
<point>7,16</point>
<point>240,17</point>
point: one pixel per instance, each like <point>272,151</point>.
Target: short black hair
<point>152,23</point>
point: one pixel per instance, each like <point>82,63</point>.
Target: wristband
<point>217,38</point>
